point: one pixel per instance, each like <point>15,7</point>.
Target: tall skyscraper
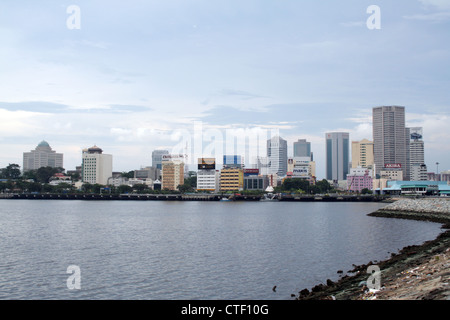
<point>302,148</point>
<point>337,155</point>
<point>157,158</point>
<point>42,156</point>
<point>362,154</point>
<point>96,166</point>
<point>277,156</point>
<point>389,138</point>
<point>417,166</point>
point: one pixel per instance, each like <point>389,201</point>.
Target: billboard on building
<point>416,133</point>
<point>393,165</point>
<point>300,172</point>
<point>173,157</point>
<point>206,163</point>
<point>248,172</point>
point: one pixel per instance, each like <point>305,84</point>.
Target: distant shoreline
<point>197,197</point>
<point>428,262</point>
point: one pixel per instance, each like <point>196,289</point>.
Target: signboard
<point>393,165</point>
<point>300,172</point>
<point>301,160</point>
<point>416,133</point>
<point>206,163</point>
<point>248,172</point>
<point>172,157</point>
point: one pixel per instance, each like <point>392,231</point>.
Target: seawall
<point>427,209</point>
<point>418,272</point>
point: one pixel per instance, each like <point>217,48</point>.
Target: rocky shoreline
<point>419,272</point>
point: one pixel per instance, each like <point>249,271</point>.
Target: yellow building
<point>231,179</point>
<point>362,154</point>
<point>172,174</point>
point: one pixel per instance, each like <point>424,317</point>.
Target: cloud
<point>433,17</point>
<point>439,4</point>
<point>353,24</point>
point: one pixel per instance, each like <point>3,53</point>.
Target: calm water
<point>189,250</point>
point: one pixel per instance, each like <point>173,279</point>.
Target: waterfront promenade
<point>197,197</point>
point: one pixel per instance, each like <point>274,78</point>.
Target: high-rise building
<point>390,138</point>
<point>417,165</point>
<point>337,155</point>
<point>277,156</point>
<point>96,166</point>
<point>232,161</point>
<point>362,154</point>
<point>172,172</point>
<point>157,158</point>
<point>418,172</point>
<point>302,148</point>
<point>42,156</point>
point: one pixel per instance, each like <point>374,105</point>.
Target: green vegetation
<point>302,186</point>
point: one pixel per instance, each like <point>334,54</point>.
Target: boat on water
<point>225,199</point>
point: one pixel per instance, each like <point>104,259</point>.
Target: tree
<point>43,174</point>
<point>366,191</point>
<point>184,188</point>
<point>295,184</point>
<point>12,171</point>
<point>324,186</point>
<point>129,174</point>
<point>191,181</point>
<point>124,189</point>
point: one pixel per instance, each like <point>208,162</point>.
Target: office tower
<point>42,156</point>
<point>417,165</point>
<point>302,148</point>
<point>362,154</point>
<point>96,167</point>
<point>157,158</point>
<point>277,156</point>
<point>337,155</point>
<point>389,138</point>
<point>172,172</point>
<point>207,175</point>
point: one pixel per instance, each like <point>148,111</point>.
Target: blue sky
<point>139,74</point>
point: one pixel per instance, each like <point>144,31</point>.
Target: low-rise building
<point>359,179</point>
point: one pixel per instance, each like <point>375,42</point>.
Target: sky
<point>132,77</point>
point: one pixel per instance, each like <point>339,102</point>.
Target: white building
<point>208,180</point>
<point>42,156</point>
<point>96,166</point>
<point>419,172</point>
<point>301,167</point>
<point>277,156</point>
<point>392,175</point>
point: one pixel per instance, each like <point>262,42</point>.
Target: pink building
<point>359,179</point>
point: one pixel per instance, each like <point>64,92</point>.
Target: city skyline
<point>132,79</point>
